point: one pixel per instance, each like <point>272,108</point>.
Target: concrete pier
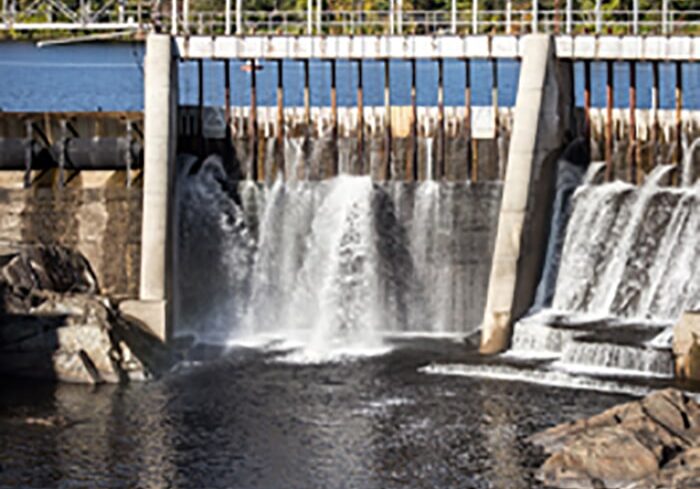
<point>541,122</point>
<point>160,131</point>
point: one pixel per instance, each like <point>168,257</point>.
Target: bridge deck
<point>683,48</point>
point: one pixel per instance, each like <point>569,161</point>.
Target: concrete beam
<point>160,135</point>
<point>685,48</point>
<point>541,121</point>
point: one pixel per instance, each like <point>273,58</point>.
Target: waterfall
<point>333,266</point>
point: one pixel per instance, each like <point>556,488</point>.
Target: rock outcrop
<point>55,325</point>
<point>650,443</point>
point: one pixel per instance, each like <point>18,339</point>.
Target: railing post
<point>399,16</point>
<point>173,17</point>
<point>535,14</point>
<point>227,28</point>
<point>475,16</point>
<point>239,17</point>
<point>309,17</point>
<point>598,16</point>
<point>635,17</point>
<point>454,17</point>
<point>391,17</point>
<point>185,16</point>
<point>569,16</point>
<point>509,16</point>
<point>319,8</point>
<point>664,17</point>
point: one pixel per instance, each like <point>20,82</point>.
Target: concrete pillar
<point>543,117</point>
<point>160,135</point>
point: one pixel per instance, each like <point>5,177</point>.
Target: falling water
<point>332,266</point>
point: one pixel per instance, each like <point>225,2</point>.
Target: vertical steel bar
<point>439,172</point>
<point>280,116</point>
<point>654,112</point>
<point>609,101</point>
<point>679,113</point>
<point>494,102</point>
<point>413,171</point>
<point>185,16</point>
<point>475,16</point>
<point>399,16</point>
<point>569,16</point>
<point>258,170</point>
<point>472,170</point>
<point>632,150</point>
<point>200,107</point>
<point>334,117</point>
<point>598,16</point>
<point>453,17</point>
<point>387,125</point>
<point>319,9</point>
<point>360,118</point>
<point>227,109</point>
<point>635,17</point>
<point>587,100</point>
<point>391,17</point>
<point>307,97</point>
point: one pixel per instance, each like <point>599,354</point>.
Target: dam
<point>392,255</point>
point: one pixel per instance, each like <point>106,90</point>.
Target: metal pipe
<point>440,173</point>
<point>569,16</point>
<point>399,16</point>
<point>453,15</point>
<point>472,170</point>
<point>280,117</point>
<point>535,14</point>
<point>635,17</point>
<point>598,16</point>
<point>475,16</point>
<point>334,117</point>
<point>391,17</point>
<point>413,171</point>
<point>632,150</point>
<point>679,112</point>
<point>387,125</point>
<point>609,101</point>
<point>185,16</point>
<point>664,17</point>
<point>319,9</point>
<point>258,170</point>
<point>227,110</point>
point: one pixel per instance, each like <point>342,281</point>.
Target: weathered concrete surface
<point>104,224</point>
<point>650,443</point>
<point>686,346</point>
<point>160,134</point>
<point>542,119</point>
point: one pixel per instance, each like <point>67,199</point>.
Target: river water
<point>253,420</point>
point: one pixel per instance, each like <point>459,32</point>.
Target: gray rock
<point>654,442</point>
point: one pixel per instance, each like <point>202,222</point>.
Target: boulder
<point>653,442</point>
<point>55,325</point>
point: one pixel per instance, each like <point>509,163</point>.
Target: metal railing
<point>178,17</point>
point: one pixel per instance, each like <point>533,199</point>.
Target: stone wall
<point>103,223</point>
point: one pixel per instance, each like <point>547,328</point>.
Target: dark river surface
<point>249,420</point>
<point>109,76</point>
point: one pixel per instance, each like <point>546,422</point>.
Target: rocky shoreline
<point>646,444</point>
<point>55,324</point>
